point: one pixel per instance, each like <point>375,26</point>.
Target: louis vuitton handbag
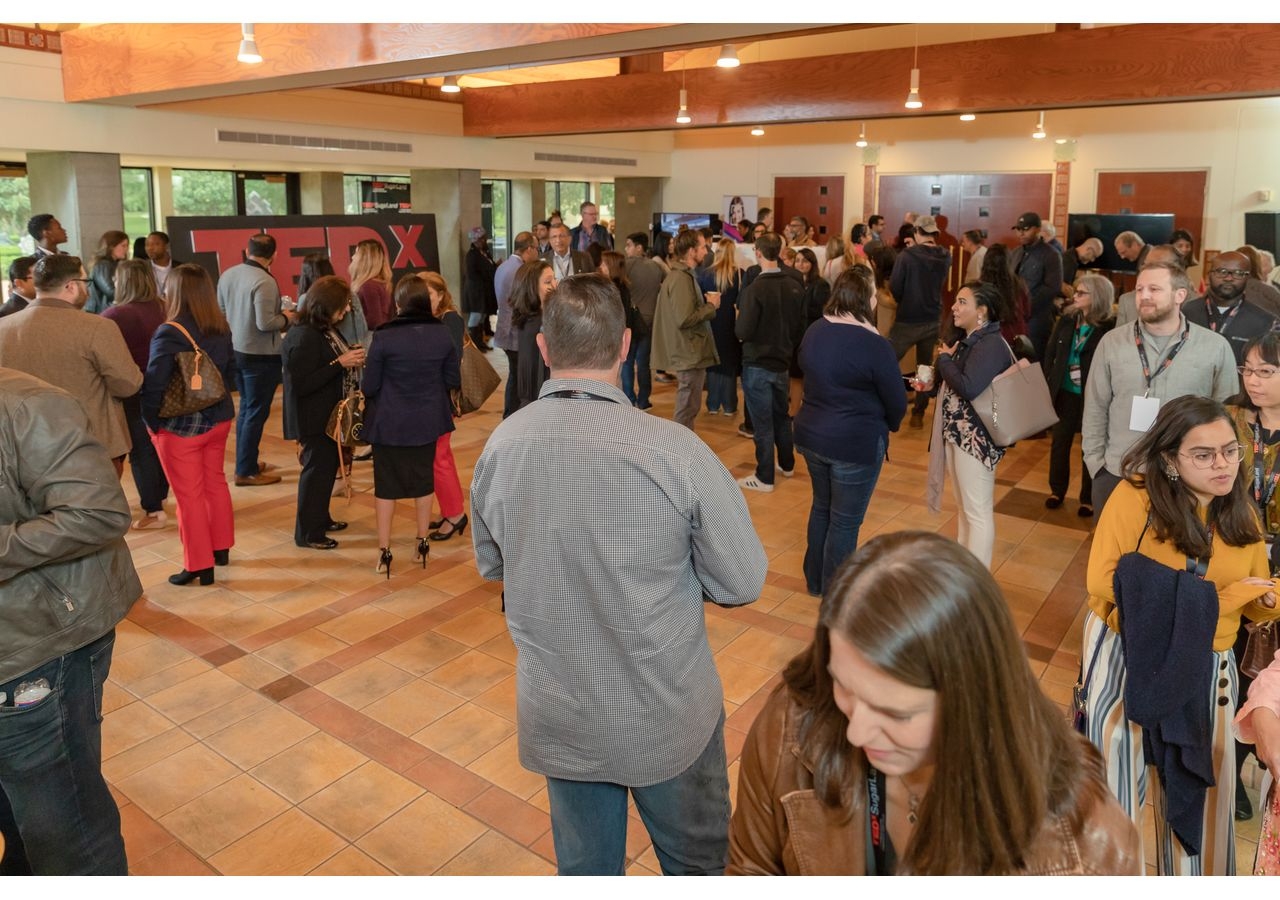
<point>479,380</point>
<point>196,383</point>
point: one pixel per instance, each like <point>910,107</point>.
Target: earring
<point>1171,472</point>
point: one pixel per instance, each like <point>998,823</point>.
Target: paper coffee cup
<point>924,375</point>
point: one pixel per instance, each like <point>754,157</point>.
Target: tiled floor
<point>308,716</point>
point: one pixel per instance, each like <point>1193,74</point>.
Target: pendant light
<point>1039,133</point>
<point>683,117</point>
<point>758,131</point>
<point>913,96</point>
<point>450,85</point>
<point>728,57</point>
<point>862,136</point>
<point>967,117</point>
<point>248,46</point>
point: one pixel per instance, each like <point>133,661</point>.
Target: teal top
<point>1071,378</point>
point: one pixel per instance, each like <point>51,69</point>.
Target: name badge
<point>1074,372</point>
<point>1144,413</point>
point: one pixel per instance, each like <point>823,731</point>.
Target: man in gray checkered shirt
<point>610,528</point>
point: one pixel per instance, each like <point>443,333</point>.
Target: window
<point>495,214</point>
<point>566,196</point>
<point>351,190</point>
<point>268,193</point>
<point>15,209</point>
<point>203,192</point>
<point>607,209</point>
<point>135,186</point>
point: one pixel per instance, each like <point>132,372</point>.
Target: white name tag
<point>1144,413</point>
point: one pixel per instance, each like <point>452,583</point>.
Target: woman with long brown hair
<point>371,282</point>
<point>533,283</point>
<point>448,485</point>
<point>1181,510</point>
<point>138,312</point>
<point>113,247</point>
<point>192,448</point>
<point>911,737</point>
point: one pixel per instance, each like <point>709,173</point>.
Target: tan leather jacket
<point>780,827</point>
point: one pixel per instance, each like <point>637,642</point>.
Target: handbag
<point>195,385</point>
<point>1016,404</point>
<point>346,421</point>
<point>479,380</point>
<point>1259,648</point>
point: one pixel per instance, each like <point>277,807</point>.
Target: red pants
<point>445,473</point>
<point>195,468</point>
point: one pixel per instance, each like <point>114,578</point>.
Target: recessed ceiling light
<point>967,117</point>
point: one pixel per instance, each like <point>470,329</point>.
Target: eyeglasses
<point>1230,273</point>
<point>1204,459</point>
<point>82,280</point>
<point>1080,293</point>
<point>1264,373</point>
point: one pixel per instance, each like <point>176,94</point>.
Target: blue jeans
<point>148,476</point>
<point>257,377</point>
<point>722,392</point>
<point>841,492</point>
<point>635,371</point>
<point>767,395</point>
<point>687,818</point>
<point>56,813</point>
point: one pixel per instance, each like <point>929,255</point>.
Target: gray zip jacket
<point>66,575</point>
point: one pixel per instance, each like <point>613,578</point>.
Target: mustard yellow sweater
<point>1118,529</point>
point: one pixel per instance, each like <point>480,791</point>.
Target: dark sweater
<point>138,323</point>
<point>770,321</point>
<point>918,275</point>
<point>166,344</point>
<point>1250,322</point>
<point>853,392</point>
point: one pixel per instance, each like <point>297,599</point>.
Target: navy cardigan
<point>411,366</point>
<point>166,344</point>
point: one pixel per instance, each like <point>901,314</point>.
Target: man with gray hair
<point>616,689</point>
<point>1132,248</point>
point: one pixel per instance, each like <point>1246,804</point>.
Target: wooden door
<point>820,199</point>
<point>1180,193</point>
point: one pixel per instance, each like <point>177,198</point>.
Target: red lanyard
<point>1259,481</point>
<point>1226,318</point>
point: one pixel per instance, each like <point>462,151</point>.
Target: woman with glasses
<point>1181,538</point>
<point>1067,359</point>
<point>1256,415</point>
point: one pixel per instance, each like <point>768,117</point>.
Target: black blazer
<point>312,381</point>
<point>579,262</point>
<point>1058,351</point>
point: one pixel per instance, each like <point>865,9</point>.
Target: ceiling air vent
<point>574,158</point>
<point>310,142</point>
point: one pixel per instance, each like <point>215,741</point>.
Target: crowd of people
<point>873,754</point>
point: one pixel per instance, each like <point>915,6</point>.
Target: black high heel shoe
<point>458,527</point>
<point>384,561</point>
<point>423,551</point>
<point>185,577</point>
<point>222,557</point>
<point>436,524</point>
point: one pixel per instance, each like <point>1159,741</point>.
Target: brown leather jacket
<point>780,827</point>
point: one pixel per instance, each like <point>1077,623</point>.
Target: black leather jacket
<point>66,576</point>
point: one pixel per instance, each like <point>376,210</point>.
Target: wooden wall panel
<point>1088,67</point>
<point>820,199</point>
<point>1180,193</point>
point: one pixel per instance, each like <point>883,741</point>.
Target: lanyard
<point>881,860</point>
<point>1199,565</point>
<point>1261,497</point>
<point>1142,354</point>
<point>1226,318</point>
<point>580,395</point>
<point>1083,332</point>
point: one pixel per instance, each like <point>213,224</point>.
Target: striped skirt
<point>1130,779</point>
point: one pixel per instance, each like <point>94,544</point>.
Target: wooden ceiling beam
<point>1111,66</point>
<point>141,64</point>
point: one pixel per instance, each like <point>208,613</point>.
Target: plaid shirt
<point>610,527</point>
<point>191,425</point>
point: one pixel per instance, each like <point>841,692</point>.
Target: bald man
<point>1225,309</point>
<point>1077,258</point>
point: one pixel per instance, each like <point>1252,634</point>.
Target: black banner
<point>384,196</point>
<point>219,242</point>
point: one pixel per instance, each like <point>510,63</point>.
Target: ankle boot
<point>477,338</point>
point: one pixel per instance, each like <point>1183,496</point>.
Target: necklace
<point>913,805</point>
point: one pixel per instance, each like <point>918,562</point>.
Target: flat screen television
<point>1154,228</point>
<point>670,222</point>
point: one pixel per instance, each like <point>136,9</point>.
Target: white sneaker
<point>151,521</point>
<point>789,473</point>
<point>751,483</point>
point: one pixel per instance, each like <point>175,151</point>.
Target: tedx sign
<point>219,242</point>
